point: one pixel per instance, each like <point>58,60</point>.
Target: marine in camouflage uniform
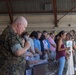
<point>10,64</point>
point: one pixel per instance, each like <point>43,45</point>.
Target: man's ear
<point>19,25</point>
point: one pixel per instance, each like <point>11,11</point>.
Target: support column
<point>55,12</point>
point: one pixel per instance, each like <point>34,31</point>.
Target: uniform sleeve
<point>16,47</point>
<point>15,43</point>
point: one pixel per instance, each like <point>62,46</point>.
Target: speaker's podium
<point>37,69</point>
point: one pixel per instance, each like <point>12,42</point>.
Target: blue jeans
<point>65,67</point>
<point>61,61</point>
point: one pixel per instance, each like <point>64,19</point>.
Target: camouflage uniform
<point>9,63</point>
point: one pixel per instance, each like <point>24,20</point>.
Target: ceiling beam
<point>55,12</point>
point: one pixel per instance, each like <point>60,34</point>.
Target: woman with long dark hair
<point>60,51</point>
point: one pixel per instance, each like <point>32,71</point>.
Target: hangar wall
<point>42,22</point>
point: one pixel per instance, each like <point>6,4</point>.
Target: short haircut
<point>20,19</point>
